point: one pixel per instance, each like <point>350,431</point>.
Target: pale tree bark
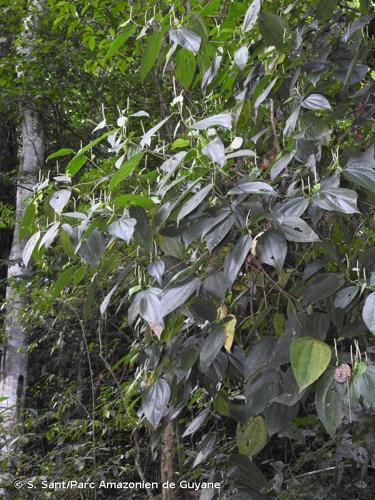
<point>13,363</point>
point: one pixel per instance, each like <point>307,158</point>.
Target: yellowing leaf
<point>252,437</point>
<point>229,325</point>
<point>310,357</point>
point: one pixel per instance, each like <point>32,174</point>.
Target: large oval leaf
<point>155,401</point>
<point>328,403</point>
<point>368,313</point>
<point>252,437</point>
<point>310,357</point>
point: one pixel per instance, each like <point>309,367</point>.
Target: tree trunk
<point>13,367</point>
<point>168,459</point>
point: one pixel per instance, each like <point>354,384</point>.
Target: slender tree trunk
<point>168,459</point>
<point>13,369</point>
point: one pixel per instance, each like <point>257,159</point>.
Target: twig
<point>273,124</point>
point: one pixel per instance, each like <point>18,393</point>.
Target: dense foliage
<point>203,244</point>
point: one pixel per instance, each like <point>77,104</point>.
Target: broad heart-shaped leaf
<point>252,437</point>
<point>185,67</point>
<point>155,400</point>
<point>215,151</point>
<point>296,229</point>
<point>310,357</point>
<point>59,199</point>
<point>152,49</point>
<point>235,258</point>
<point>328,402</point>
<point>119,41</point>
<point>345,296</point>
<point>125,170</point>
<point>368,312</point>
<point>92,248</point>
<point>206,447</point>
<point>122,228</point>
<point>146,304</point>
<point>272,248</point>
<point>175,297</point>
<point>273,28</point>
<point>322,286</point>
<point>338,199</point>
<point>211,347</point>
<point>251,16</point>
<point>29,248</point>
<point>316,102</point>
<point>193,202</point>
<point>223,120</point>
<point>186,38</point>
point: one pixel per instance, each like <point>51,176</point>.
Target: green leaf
<point>193,203</point>
<point>368,312</point>
<point>252,437</point>
<point>272,248</point>
<point>316,102</point>
<point>60,152</point>
<point>119,41</point>
<point>211,347</point>
<point>180,143</point>
<point>125,170</point>
<point>273,28</point>
<point>328,403</point>
<point>152,49</point>
<point>310,357</point>
<point>63,279</point>
<point>185,67</point>
<point>75,165</point>
<point>125,200</point>
<point>155,400</point>
<point>235,258</point>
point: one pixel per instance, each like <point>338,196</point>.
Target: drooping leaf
<point>235,258</point>
<point>59,199</point>
<point>146,139</point>
<point>177,296</point>
<point>206,447</point>
<point>211,347</point>
<point>146,304</point>
<point>223,120</point>
<point>185,38</point>
<point>92,248</point>
<point>251,16</point>
<point>263,96</point>
<point>49,236</point>
<point>125,170</point>
<point>272,248</point>
<point>155,400</point>
<point>29,248</point>
<point>122,228</point>
<point>261,391</point>
<point>281,165</point>
<point>241,56</point>
<point>310,358</point>
<point>252,437</point>
<point>328,402</point>
<point>193,202</point>
<point>215,151</point>
<point>152,49</point>
<point>196,423</point>
<point>368,312</point>
<point>211,72</point>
